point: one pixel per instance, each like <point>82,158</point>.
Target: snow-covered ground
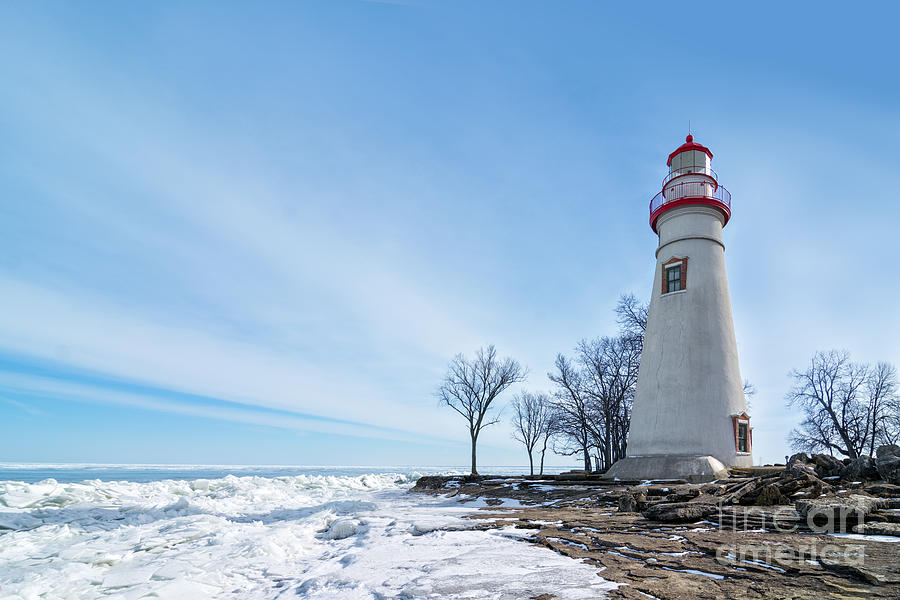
<point>265,537</point>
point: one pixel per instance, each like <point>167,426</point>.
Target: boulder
<point>826,465</point>
<point>431,482</point>
<point>799,457</point>
<point>635,502</point>
<point>770,495</point>
<point>680,512</point>
<point>887,450</point>
<point>799,465</point>
<point>860,469</point>
<point>887,461</point>
<point>832,514</point>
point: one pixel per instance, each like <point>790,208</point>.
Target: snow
<point>495,502</point>
<point>305,536</point>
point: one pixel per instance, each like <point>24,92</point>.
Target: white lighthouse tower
<point>690,416</point>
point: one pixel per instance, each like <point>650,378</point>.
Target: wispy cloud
<point>42,388</point>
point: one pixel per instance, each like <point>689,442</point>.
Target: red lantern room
<point>690,181</point>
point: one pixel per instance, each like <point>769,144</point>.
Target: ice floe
<point>251,537</point>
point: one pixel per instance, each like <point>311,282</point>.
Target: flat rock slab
<point>694,559</point>
<point>883,490</point>
<point>878,529</point>
<point>680,512</point>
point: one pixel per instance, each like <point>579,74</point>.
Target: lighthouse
<point>689,419</point>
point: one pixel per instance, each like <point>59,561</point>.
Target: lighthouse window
<point>673,275</point>
<point>673,278</point>
<point>743,437</point>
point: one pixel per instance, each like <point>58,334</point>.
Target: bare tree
<point>532,416</point>
<point>813,433</point>
<point>471,386</point>
<point>749,392</point>
<point>632,314</point>
<point>837,397</point>
<point>881,394</point>
<point>573,414</point>
<point>551,428</point>
<point>890,433</point>
<point>749,389</point>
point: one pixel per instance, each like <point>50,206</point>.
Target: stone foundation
<point>694,469</point>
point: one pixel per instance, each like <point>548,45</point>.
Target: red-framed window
<point>743,433</point>
<point>674,275</point>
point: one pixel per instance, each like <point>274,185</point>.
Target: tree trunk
<point>531,463</point>
<point>842,433</point>
<point>874,429</point>
<point>587,460</point>
<point>474,468</point>
<point>543,452</point>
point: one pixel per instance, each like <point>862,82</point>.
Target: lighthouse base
<point>694,469</point>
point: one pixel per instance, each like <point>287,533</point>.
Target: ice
<point>696,572</point>
<point>495,503</point>
<point>343,528</point>
<point>568,542</point>
<point>867,537</point>
<point>124,575</point>
<point>304,536</point>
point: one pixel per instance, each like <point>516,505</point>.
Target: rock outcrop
<point>684,544</point>
<point>860,469</point>
<point>826,465</point>
<point>887,461</point>
<point>837,514</point>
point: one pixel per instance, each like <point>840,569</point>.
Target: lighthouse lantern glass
<point>690,161</point>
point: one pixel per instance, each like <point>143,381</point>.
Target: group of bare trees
<point>594,390</point>
<point>587,413</point>
<point>534,424</point>
<point>848,407</point>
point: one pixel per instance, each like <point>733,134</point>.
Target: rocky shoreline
<point>794,531</point>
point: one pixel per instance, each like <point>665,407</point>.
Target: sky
<point>241,233</point>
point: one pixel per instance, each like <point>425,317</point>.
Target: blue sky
<point>257,234</point>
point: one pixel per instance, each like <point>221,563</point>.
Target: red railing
<point>701,170</point>
<point>689,192</point>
